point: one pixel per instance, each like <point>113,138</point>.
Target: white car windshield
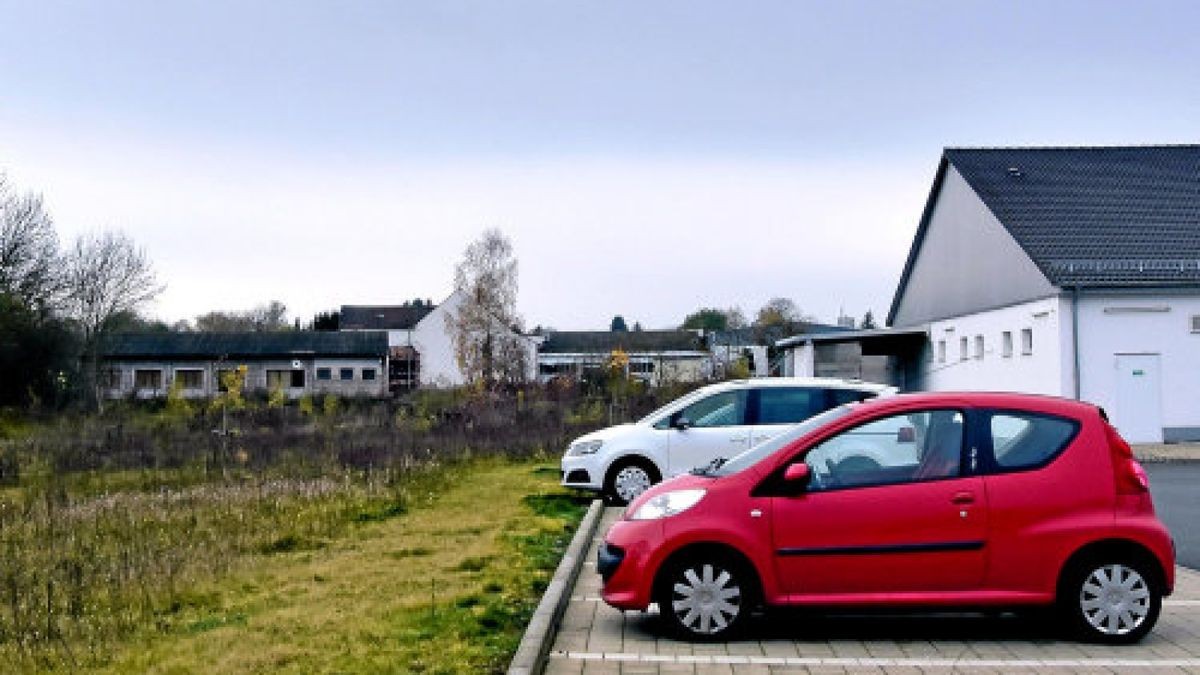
<point>767,448</point>
<point>679,403</point>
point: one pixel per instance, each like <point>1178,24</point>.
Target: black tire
<point>706,597</point>
<point>1110,599</point>
<point>623,479</point>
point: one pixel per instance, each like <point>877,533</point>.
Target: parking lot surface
<point>595,638</point>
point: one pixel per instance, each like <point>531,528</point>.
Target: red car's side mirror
<point>797,474</point>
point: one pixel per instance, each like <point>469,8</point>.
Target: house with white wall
<point>421,342</point>
<point>1066,271</point>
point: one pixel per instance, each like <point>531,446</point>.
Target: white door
<point>1139,398</point>
<point>714,426</point>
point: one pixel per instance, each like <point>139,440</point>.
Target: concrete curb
<point>531,654</point>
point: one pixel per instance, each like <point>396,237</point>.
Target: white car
<point>717,421</point>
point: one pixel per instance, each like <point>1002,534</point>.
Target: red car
<point>980,501</point>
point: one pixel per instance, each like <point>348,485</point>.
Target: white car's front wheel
<point>627,481</point>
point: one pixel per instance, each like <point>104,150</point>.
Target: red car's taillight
<point>1129,476</point>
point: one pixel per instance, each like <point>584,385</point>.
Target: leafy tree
<point>778,312</point>
<point>868,321</point>
<point>131,322</point>
<point>712,318</point>
<point>618,324</point>
<point>486,327</point>
<point>37,355</point>
<point>708,318</point>
<point>330,320</point>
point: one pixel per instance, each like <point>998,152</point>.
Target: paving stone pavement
<point>595,638</point>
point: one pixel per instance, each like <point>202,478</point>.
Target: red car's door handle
<point>963,498</point>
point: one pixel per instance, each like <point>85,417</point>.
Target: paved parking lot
<point>595,638</point>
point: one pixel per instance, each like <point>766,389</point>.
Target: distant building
<point>655,356</point>
<point>757,345</point>
<point>421,344</point>
<point>149,365</point>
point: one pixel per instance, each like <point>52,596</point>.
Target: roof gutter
<point>1075,337</point>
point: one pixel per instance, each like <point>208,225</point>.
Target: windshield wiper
<point>708,469</point>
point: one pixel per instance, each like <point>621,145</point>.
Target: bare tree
<point>107,275</point>
<point>28,250</point>
<point>735,318</point>
<point>269,317</point>
<point>486,327</point>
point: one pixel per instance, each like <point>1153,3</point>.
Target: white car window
<point>719,410</point>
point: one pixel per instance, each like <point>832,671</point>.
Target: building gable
<point>963,259</point>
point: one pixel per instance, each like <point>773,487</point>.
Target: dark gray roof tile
<point>286,344</point>
<point>1110,216</point>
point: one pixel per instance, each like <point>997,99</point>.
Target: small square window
<point>324,373</point>
<point>368,374</point>
<point>147,379</point>
<point>346,374</point>
<point>1006,343</point>
<point>979,346</point>
<point>1026,341</point>
<point>190,378</point>
<point>110,378</point>
<point>962,348</point>
<point>941,351</point>
<point>277,379</point>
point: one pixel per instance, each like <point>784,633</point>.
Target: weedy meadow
<point>112,524</point>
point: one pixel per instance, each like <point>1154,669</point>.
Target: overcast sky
<point>646,158</point>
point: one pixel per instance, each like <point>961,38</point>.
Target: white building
<point>421,341</point>
<point>1066,271</point>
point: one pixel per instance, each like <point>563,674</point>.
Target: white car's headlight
<point>585,447</point>
<point>668,504</point>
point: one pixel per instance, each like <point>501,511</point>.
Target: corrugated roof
<point>382,317</point>
<point>1105,217</point>
<point>586,342</point>
<point>250,345</point>
<point>769,335</point>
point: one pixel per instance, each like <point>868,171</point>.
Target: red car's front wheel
<point>705,597</point>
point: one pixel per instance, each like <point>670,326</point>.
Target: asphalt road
<point>1176,490</point>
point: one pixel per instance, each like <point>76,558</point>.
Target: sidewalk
<point>1162,452</point>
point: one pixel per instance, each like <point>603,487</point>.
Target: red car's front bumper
<point>628,562</point>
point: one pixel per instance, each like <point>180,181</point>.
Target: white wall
<point>799,361</point>
<point>1133,324</point>
<point>1039,372</point>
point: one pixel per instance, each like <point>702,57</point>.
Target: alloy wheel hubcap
<point>1115,599</point>
<point>631,482</point>
<point>706,600</point>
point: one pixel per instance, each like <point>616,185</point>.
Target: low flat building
<point>655,356</point>
<point>149,365</point>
